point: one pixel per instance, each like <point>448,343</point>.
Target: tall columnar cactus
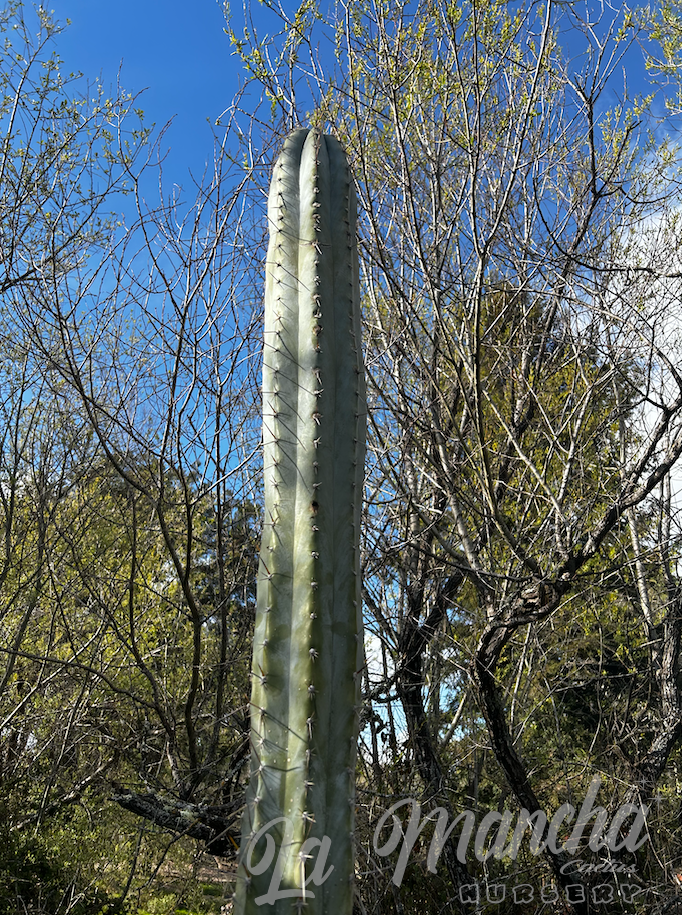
<point>308,650</point>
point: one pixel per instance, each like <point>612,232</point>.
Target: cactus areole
<point>297,840</point>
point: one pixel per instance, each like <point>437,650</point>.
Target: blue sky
<point>179,54</point>
<point>175,50</point>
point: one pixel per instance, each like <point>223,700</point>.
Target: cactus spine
<point>308,650</point>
